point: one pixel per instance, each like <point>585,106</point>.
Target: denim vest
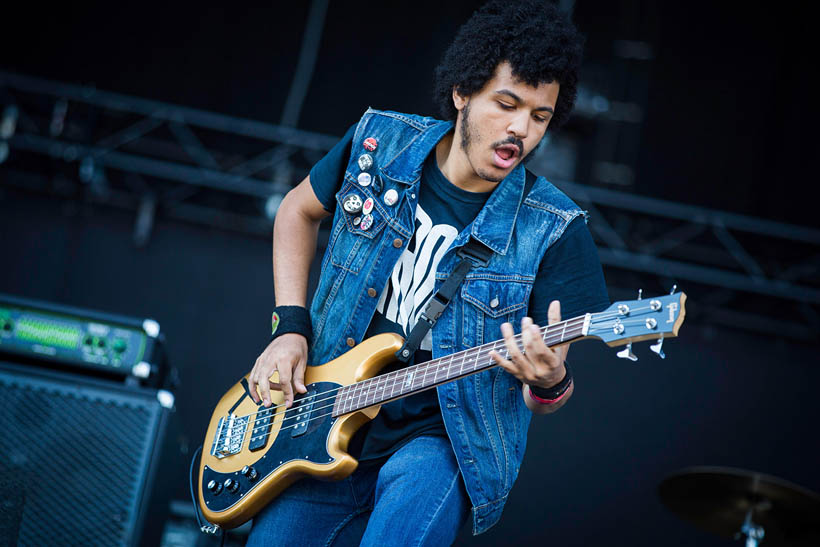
<point>484,414</point>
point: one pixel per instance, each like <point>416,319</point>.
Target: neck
<point>416,378</point>
<point>454,164</point>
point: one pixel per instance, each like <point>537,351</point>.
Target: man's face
<point>499,125</point>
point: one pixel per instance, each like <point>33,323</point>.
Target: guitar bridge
<point>230,431</point>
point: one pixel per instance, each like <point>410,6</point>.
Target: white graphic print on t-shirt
<point>413,279</point>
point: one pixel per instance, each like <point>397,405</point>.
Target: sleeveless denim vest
<point>484,414</point>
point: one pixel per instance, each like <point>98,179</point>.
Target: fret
<point>449,373</point>
<point>338,400</point>
<point>564,330</point>
<point>351,398</point>
<point>434,365</point>
<point>378,390</point>
<point>418,380</point>
<point>370,398</point>
<point>359,391</point>
<point>383,388</point>
<point>392,376</point>
<point>398,388</point>
<point>392,379</point>
<point>344,393</point>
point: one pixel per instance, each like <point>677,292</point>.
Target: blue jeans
<point>416,497</point>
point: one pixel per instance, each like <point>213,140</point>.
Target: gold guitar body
<point>287,453</point>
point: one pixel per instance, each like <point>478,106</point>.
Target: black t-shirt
<point>570,272</point>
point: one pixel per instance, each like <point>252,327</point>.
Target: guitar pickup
<point>261,430</point>
<point>300,416</point>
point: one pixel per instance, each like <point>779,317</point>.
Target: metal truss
<point>152,156</point>
<point>746,272</point>
<point>159,159</point>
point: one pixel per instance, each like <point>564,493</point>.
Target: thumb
<point>554,312</point>
<point>299,377</point>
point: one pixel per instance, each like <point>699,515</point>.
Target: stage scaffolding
<point>157,159</point>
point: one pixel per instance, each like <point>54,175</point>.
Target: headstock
<point>631,321</point>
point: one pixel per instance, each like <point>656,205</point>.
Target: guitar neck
<point>416,378</point>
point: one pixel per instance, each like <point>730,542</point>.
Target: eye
<point>540,119</point>
<point>506,106</point>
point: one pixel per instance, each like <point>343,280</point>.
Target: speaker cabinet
<point>77,460</point>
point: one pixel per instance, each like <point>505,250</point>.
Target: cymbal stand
<point>754,533</point>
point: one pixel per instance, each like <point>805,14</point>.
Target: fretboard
<point>416,378</point>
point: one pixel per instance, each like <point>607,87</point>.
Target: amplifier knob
<point>249,472</point>
<point>231,485</point>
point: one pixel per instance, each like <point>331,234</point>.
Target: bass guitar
<point>252,453</point>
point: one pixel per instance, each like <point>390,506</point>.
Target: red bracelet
<point>538,399</point>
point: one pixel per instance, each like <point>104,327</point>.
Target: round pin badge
<point>367,222</point>
<point>364,179</point>
<point>365,162</point>
<point>356,221</point>
<point>352,204</point>
<point>368,206</point>
<point>370,144</point>
<point>391,197</point>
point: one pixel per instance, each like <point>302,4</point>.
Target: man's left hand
<point>538,365</point>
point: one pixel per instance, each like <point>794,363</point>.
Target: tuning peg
<point>675,286</point>
<point>626,353</point>
<point>658,348</point>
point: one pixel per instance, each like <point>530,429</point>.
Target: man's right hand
<point>286,354</point>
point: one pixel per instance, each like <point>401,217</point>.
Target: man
<point>407,194</point>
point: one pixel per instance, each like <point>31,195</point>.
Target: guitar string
<point>375,387</point>
<point>517,338</point>
<point>312,418</point>
<point>237,436</point>
<point>451,356</point>
<point>556,338</point>
<point>372,388</point>
<point>308,420</point>
<point>595,318</point>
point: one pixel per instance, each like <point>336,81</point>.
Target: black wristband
<point>552,393</point>
<point>287,319</point>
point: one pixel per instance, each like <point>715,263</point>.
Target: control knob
<point>231,485</point>
<point>214,486</point>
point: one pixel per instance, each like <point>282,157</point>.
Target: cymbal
<point>717,499</point>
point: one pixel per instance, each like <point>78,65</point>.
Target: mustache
<point>512,140</point>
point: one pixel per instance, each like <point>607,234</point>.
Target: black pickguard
<point>309,446</point>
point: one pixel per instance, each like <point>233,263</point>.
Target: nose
<point>519,125</point>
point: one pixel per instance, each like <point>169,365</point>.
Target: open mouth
<point>505,156</point>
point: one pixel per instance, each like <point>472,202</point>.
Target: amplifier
<point>81,340</point>
<point>80,459</point>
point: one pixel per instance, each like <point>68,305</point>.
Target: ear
<point>459,100</point>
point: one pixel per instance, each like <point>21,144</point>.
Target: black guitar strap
<point>474,253</point>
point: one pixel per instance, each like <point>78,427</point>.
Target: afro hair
<point>538,40</point>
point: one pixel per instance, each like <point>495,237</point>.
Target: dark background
<point>729,124</point>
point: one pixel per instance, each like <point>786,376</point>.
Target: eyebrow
<point>518,99</point>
